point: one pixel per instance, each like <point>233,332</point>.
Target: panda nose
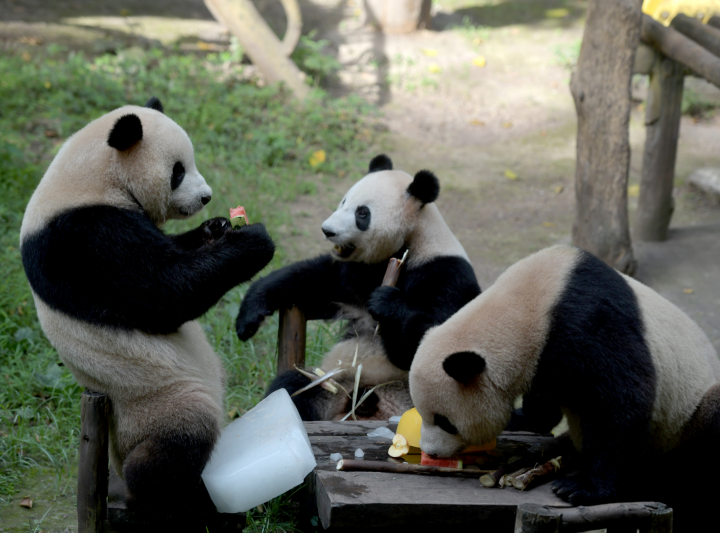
<point>205,199</point>
<point>328,233</point>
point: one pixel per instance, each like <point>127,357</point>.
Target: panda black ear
<point>425,187</point>
<point>380,162</point>
<point>126,132</point>
<point>155,104</point>
<point>464,367</point>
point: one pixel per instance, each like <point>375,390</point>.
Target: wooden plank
<point>351,428</point>
<point>93,461</point>
<point>291,339</point>
<point>662,120</point>
<point>706,36</point>
<point>676,46</point>
<point>617,517</point>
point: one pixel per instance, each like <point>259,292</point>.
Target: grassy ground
<point>253,145</point>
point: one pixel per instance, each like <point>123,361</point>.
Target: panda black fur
<point>573,336</point>
<point>118,298</point>
<point>381,216</point>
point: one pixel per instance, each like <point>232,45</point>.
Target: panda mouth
<point>344,251</point>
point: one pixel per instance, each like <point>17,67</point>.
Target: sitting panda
<point>573,336</point>
<point>118,298</point>
<point>383,215</point>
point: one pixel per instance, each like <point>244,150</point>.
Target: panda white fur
<point>118,298</point>
<point>573,336</point>
<point>385,213</point>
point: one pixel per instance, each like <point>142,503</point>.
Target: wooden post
<point>259,41</point>
<point>662,121</point>
<point>534,518</point>
<point>706,36</point>
<point>661,521</point>
<point>93,467</point>
<point>291,339</point>
<point>600,86</point>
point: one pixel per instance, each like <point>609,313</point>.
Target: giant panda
<point>383,215</point>
<point>118,298</point>
<point>575,337</point>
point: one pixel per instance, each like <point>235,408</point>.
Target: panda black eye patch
<point>444,424</point>
<point>362,217</point>
<point>177,176</point>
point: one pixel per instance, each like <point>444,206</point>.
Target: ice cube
<point>394,419</point>
<point>259,456</point>
<point>359,454</point>
<point>335,456</point>
<point>385,433</point>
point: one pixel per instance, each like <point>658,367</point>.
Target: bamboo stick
<point>350,465</point>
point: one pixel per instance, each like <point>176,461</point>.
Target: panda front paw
<point>214,228</point>
<point>578,490</point>
<point>252,314</point>
<point>385,302</point>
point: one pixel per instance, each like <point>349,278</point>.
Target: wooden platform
<point>355,501</point>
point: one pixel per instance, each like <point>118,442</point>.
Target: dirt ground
<point>501,137</point>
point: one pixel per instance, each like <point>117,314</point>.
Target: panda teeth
<point>338,248</point>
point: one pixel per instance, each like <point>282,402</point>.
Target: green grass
<point>252,145</point>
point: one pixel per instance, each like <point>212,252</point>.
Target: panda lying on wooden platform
<point>573,336</point>
<point>118,298</point>
<point>383,215</point>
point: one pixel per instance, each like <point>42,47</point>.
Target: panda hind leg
<point>162,475</point>
<point>538,414</point>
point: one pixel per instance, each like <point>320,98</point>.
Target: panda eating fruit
<point>383,215</point>
<point>118,298</point>
<point>574,337</point>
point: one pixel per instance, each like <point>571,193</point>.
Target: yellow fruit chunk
<point>399,446</point>
<point>409,427</point>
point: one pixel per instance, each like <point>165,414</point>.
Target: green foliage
<point>566,55</point>
<point>252,145</point>
<point>698,105</point>
<point>309,57</point>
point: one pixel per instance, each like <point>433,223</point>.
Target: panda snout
<point>328,233</point>
<point>206,199</point>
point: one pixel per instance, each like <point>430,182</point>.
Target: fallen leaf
<point>509,174</point>
<point>434,68</point>
<point>557,13</point>
<point>507,124</point>
<point>317,158</point>
<point>26,502</point>
<point>559,189</point>
<point>232,413</point>
<point>125,12</point>
<point>688,291</point>
<point>634,191</point>
<point>26,56</point>
<point>202,45</point>
<point>479,61</point>
<point>51,133</point>
<point>477,41</point>
<point>549,224</point>
<point>430,52</point>
<point>37,438</point>
<point>477,122</point>
<point>47,84</point>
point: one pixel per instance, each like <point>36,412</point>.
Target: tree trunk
<point>600,86</point>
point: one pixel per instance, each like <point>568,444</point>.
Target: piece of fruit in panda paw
<point>399,446</point>
<point>237,214</point>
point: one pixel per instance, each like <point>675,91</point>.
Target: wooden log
<point>291,339</point>
<point>93,461</point>
<point>704,35</point>
<point>600,86</point>
<point>534,518</point>
<point>260,43</point>
<point>714,21</point>
<point>352,465</point>
<point>662,121</point>
<point>676,46</point>
<point>618,516</point>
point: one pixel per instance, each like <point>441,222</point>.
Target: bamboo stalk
<point>350,465</point>
<point>539,474</point>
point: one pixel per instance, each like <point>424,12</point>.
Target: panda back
<point>686,364</point>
